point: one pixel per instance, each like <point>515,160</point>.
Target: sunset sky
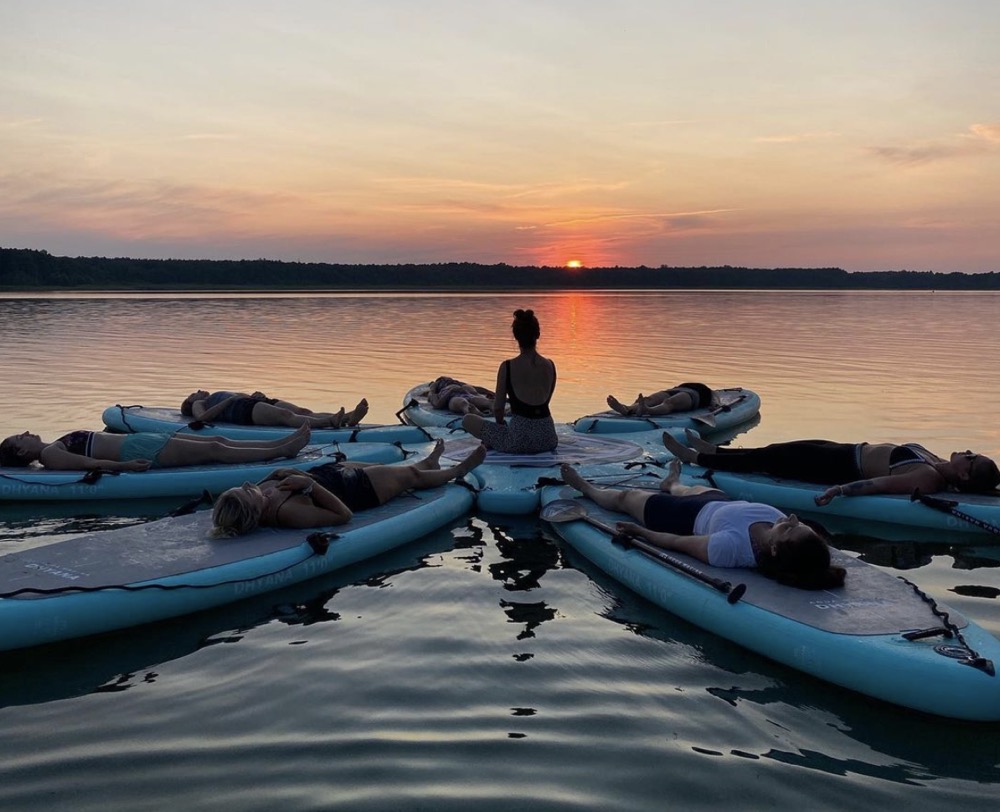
<point>767,133</point>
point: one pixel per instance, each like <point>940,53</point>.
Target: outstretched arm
<point>694,546</point>
<point>59,459</point>
<point>926,480</point>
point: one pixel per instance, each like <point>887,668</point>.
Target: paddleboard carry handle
<point>409,405</point>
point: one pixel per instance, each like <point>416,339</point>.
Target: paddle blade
<point>563,510</point>
<point>707,419</point>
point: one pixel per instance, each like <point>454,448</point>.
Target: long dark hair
<point>804,563</point>
<point>526,328</point>
<point>10,457</point>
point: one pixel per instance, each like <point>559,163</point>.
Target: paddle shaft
<point>659,555</point>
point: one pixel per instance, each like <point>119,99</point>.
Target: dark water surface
<point>487,666</point>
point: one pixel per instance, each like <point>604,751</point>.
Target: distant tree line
<point>25,269</point>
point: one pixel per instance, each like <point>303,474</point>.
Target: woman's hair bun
<point>524,314</point>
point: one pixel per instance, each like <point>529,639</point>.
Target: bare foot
<point>678,449</point>
<point>699,445</point>
<point>615,404</point>
<point>358,413</point>
<point>432,461</point>
<point>298,440</point>
<point>572,478</point>
<point>474,460</point>
<point>338,419</point>
<point>281,443</point>
<point>673,476</point>
<point>640,405</point>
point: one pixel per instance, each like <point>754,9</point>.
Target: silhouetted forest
<point>24,269</point>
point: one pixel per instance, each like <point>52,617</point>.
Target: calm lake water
<point>488,666</point>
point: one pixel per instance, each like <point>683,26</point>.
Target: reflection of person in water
<point>526,560</point>
<point>532,615</point>
<point>526,556</point>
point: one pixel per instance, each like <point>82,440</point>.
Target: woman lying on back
<point>684,397</point>
<point>260,410</point>
<point>98,450</point>
<point>853,469</point>
<point>329,494</point>
<point>707,525</point>
<point>459,397</point>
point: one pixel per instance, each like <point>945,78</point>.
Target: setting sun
<point>574,263</point>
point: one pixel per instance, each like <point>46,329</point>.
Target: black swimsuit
<point>239,411</point>
<point>522,409</point>
<point>351,486</point>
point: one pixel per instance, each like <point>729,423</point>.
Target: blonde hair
<point>234,515</point>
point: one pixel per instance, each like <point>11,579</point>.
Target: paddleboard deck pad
<point>108,580</point>
<point>735,406</point>
<point>510,482</point>
<point>855,636</point>
<point>165,420</point>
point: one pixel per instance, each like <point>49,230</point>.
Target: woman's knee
<point>633,503</point>
<point>389,481</point>
<point>473,424</point>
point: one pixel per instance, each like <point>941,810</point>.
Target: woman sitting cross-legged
<point>98,450</point>
<point>530,429</point>
<point>260,410</point>
<point>328,494</point>
<point>707,525</point>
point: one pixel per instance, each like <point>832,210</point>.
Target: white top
<point>727,525</point>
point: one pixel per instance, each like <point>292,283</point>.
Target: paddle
<point>568,510</point>
<point>708,419</point>
<point>951,506</point>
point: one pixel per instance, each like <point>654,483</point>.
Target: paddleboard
<point>114,579</point>
<point>981,513</point>
<point>42,485</point>
<point>854,636</point>
<point>735,406</point>
<point>510,483</point>
<point>164,420</point>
